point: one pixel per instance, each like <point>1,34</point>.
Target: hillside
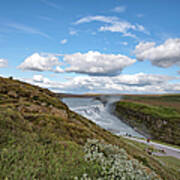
<point>157,116</point>
<point>40,138</point>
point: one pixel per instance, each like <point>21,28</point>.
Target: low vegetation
<point>151,117</point>
<point>40,138</point>
<point>115,163</point>
<point>172,164</point>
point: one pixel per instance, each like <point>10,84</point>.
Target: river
<point>100,113</point>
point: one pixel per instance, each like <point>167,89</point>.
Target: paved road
<point>169,151</point>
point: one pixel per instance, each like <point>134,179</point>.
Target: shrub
<point>115,163</point>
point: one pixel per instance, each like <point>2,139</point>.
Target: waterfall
<point>99,111</point>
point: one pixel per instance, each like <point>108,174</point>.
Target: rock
<point>12,94</point>
<point>44,104</point>
<point>59,112</point>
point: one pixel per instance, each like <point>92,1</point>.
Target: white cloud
<point>113,24</point>
<point>124,43</point>
<point>134,83</point>
<point>124,27</point>
<point>39,62</point>
<point>50,4</point>
<point>45,18</point>
<point>119,9</point>
<point>118,27</point>
<point>27,29</point>
<point>95,63</point>
<point>72,32</point>
<point>59,70</point>
<point>142,29</point>
<point>164,55</point>
<point>3,63</point>
<point>96,18</point>
<point>64,41</point>
<point>140,15</point>
<point>91,63</point>
<point>40,79</point>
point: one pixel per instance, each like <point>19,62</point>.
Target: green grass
<point>156,111</point>
<point>40,138</point>
<point>166,100</point>
<point>172,164</point>
<point>43,159</point>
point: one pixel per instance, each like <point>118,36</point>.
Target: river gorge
<point>99,111</point>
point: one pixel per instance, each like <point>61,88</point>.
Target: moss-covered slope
<point>40,138</point>
<point>153,115</point>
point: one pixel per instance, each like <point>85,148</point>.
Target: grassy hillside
<point>40,138</point>
<point>156,116</point>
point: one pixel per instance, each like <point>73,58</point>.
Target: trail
<point>169,151</point>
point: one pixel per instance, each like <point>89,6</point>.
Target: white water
<point>99,113</point>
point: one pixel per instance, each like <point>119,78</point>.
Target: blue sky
<point>104,46</point>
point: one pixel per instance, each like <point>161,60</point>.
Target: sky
<point>92,46</point>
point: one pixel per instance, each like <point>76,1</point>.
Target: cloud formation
<point>27,29</point>
<point>119,9</point>
<point>40,79</point>
<point>113,24</point>
<point>50,4</point>
<point>64,41</point>
<point>139,83</point>
<point>95,63</point>
<point>88,19</point>
<point>39,62</point>
<point>3,63</point>
<point>140,15</point>
<point>91,63</point>
<point>164,55</point>
<point>58,70</point>
<point>73,32</point>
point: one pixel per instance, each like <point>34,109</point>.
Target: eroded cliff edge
<point>156,116</point>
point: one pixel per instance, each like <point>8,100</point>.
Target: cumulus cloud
<point>3,63</point>
<point>39,62</point>
<point>95,63</point>
<point>119,9</point>
<point>134,83</point>
<point>164,55</point>
<point>64,41</point>
<point>58,70</point>
<point>40,79</point>
<point>114,24</point>
<point>91,63</point>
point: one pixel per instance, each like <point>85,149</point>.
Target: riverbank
<point>153,116</point>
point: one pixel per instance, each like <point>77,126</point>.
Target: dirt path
<point>169,151</point>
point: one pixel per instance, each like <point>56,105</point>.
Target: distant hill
<point>40,138</point>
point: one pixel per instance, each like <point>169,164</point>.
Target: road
<point>169,151</point>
